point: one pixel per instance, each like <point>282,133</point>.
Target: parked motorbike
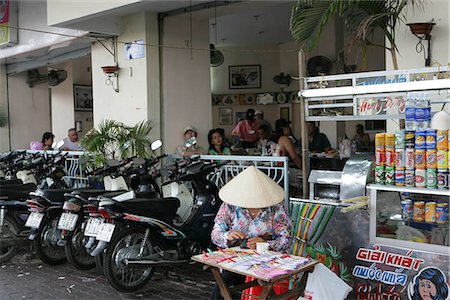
<point>148,237</point>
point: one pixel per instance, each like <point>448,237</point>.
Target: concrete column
<point>4,130</point>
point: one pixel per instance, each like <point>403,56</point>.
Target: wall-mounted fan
<point>216,57</point>
<point>318,65</point>
<point>54,77</point>
<point>282,79</point>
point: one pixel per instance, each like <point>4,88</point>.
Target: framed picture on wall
<point>284,113</point>
<point>83,97</point>
<point>225,116</point>
<point>244,77</point>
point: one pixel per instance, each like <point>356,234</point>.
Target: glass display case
<point>410,218</point>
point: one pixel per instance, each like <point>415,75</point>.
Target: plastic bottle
<point>422,111</point>
<point>410,123</point>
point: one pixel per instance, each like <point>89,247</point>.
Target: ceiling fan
<point>53,78</point>
<point>216,57</point>
<point>282,79</point>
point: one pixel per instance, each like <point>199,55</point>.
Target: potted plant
<point>362,18</point>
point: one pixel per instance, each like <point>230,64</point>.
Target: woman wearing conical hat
<point>252,211</point>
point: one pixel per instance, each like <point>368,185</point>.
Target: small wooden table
<point>262,279</point>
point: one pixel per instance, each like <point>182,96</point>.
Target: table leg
<point>265,291</point>
<point>224,290</point>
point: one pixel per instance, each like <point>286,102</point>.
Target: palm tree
<point>362,17</point>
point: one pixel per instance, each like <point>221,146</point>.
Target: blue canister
<point>420,138</point>
<point>442,178</point>
<point>431,139</point>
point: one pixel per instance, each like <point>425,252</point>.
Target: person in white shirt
<point>71,143</point>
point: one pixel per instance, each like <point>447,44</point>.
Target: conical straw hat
<point>252,189</point>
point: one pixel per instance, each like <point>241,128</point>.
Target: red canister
<point>409,158</point>
<point>380,157</point>
<point>390,157</point>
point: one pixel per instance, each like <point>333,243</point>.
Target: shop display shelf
<point>406,189</point>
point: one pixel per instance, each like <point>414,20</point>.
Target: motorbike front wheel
<point>45,243</point>
<point>127,244</point>
<point>76,252</point>
<point>9,231</point>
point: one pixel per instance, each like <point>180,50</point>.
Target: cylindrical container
<point>431,178</point>
<point>400,139</point>
<point>419,162</point>
<point>442,213</point>
<point>442,139</point>
<point>442,178</point>
<point>431,159</point>
<point>380,156</point>
<point>419,211</point>
<point>390,157</point>
<point>442,159</point>
<point>399,177</point>
<point>410,177</point>
<point>420,138</point>
<point>409,138</point>
<point>420,178</point>
<point>379,140</point>
<point>431,139</point>
<point>379,175</point>
<point>389,140</point>
<point>430,212</point>
<point>407,209</point>
<point>390,175</point>
<point>409,159</point>
<point>400,160</point>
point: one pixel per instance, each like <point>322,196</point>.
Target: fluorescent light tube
<point>337,91</point>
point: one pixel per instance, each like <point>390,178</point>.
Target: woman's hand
<point>251,242</point>
<point>236,235</point>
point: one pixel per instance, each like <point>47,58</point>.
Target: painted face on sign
<point>427,289</point>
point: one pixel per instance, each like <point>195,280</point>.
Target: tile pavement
<point>28,278</point>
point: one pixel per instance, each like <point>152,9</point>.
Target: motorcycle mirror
<point>138,161</point>
<point>190,142</point>
<point>112,162</point>
<point>156,145</point>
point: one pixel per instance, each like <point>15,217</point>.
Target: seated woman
<point>216,144</point>
<point>253,212</point>
<point>45,144</point>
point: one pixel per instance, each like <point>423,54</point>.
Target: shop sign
<point>8,22</point>
<point>383,80</point>
<point>393,105</point>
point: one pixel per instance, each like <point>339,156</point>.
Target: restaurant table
<point>264,280</point>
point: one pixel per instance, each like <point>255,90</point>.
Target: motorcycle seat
<point>10,181</point>
<point>18,187</point>
<point>147,194</point>
<point>86,193</point>
<point>160,208</point>
<point>56,195</point>
<point>17,194</point>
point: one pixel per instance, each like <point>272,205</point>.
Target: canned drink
<point>442,179</point>
<point>389,140</point>
<point>400,139</point>
<point>379,174</point>
<point>431,139</point>
<point>419,211</point>
<point>430,212</point>
<point>380,157</point>
<point>407,209</point>
<point>380,140</point>
<point>420,138</point>
<point>442,213</point>
<point>389,175</point>
<point>431,178</point>
<point>409,138</point>
<point>442,159</point>
<point>390,157</point>
<point>431,159</point>
<point>409,158</point>
<point>400,177</point>
<point>410,177</point>
<point>419,162</point>
<point>420,178</point>
<point>442,139</point>
<point>400,160</point>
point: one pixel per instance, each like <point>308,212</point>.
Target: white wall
<point>29,110</point>
<point>4,131</point>
<point>81,74</point>
<point>33,15</point>
<point>186,81</point>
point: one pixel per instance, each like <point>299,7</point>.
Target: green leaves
<point>114,140</point>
